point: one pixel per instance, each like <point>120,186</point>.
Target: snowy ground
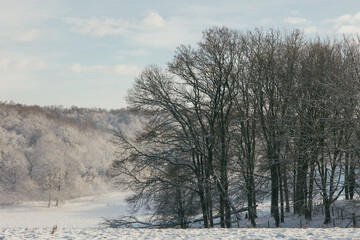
<point>86,212</point>
<point>260,233</point>
<point>81,218</point>
<point>341,215</point>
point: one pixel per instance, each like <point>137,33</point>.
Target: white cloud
<point>296,20</point>
<point>347,24</point>
<point>152,30</point>
<point>15,82</point>
<point>135,52</point>
<point>311,30</point>
<point>348,18</point>
<point>12,14</point>
<point>344,18</point>
<point>18,71</point>
<point>24,12</point>
<point>121,69</point>
<point>153,20</point>
<point>349,29</point>
<point>17,63</point>
<point>101,27</point>
<point>25,35</point>
<point>295,12</point>
<point>138,52</point>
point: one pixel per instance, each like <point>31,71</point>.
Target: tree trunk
<point>208,171</point>
<point>352,181</point>
<point>327,205</point>
<point>222,210</point>
<point>294,185</point>
<point>301,177</point>
<point>227,210</point>
<point>251,198</point>
<point>286,191</point>
<point>209,205</point>
<point>275,191</point>
<point>227,213</point>
<point>254,199</point>
<point>308,211</point>
<point>224,203</point>
<point>282,217</point>
<point>203,205</point>
<point>347,182</point>
<point>49,203</point>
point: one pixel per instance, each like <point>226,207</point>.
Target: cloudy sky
<point>88,52</point>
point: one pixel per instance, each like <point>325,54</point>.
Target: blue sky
<point>87,53</point>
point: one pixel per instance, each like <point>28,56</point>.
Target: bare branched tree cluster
<point>240,112</point>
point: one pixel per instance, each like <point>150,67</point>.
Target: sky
<point>87,53</point>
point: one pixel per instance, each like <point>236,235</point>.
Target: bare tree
<point>261,101</point>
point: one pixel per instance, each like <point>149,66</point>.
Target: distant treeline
<point>54,153</point>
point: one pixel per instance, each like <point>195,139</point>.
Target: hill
<point>55,153</point>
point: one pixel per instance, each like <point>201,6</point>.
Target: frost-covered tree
<point>47,152</point>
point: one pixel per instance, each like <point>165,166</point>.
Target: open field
<point>261,233</point>
<point>80,219</point>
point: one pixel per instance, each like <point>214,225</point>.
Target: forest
<point>54,153</point>
<point>241,118</point>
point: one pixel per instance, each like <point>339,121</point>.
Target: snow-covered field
<point>85,212</point>
<point>81,218</point>
<point>248,233</point>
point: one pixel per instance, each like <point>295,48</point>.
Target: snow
<point>85,212</point>
<point>81,219</point>
<point>173,234</point>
